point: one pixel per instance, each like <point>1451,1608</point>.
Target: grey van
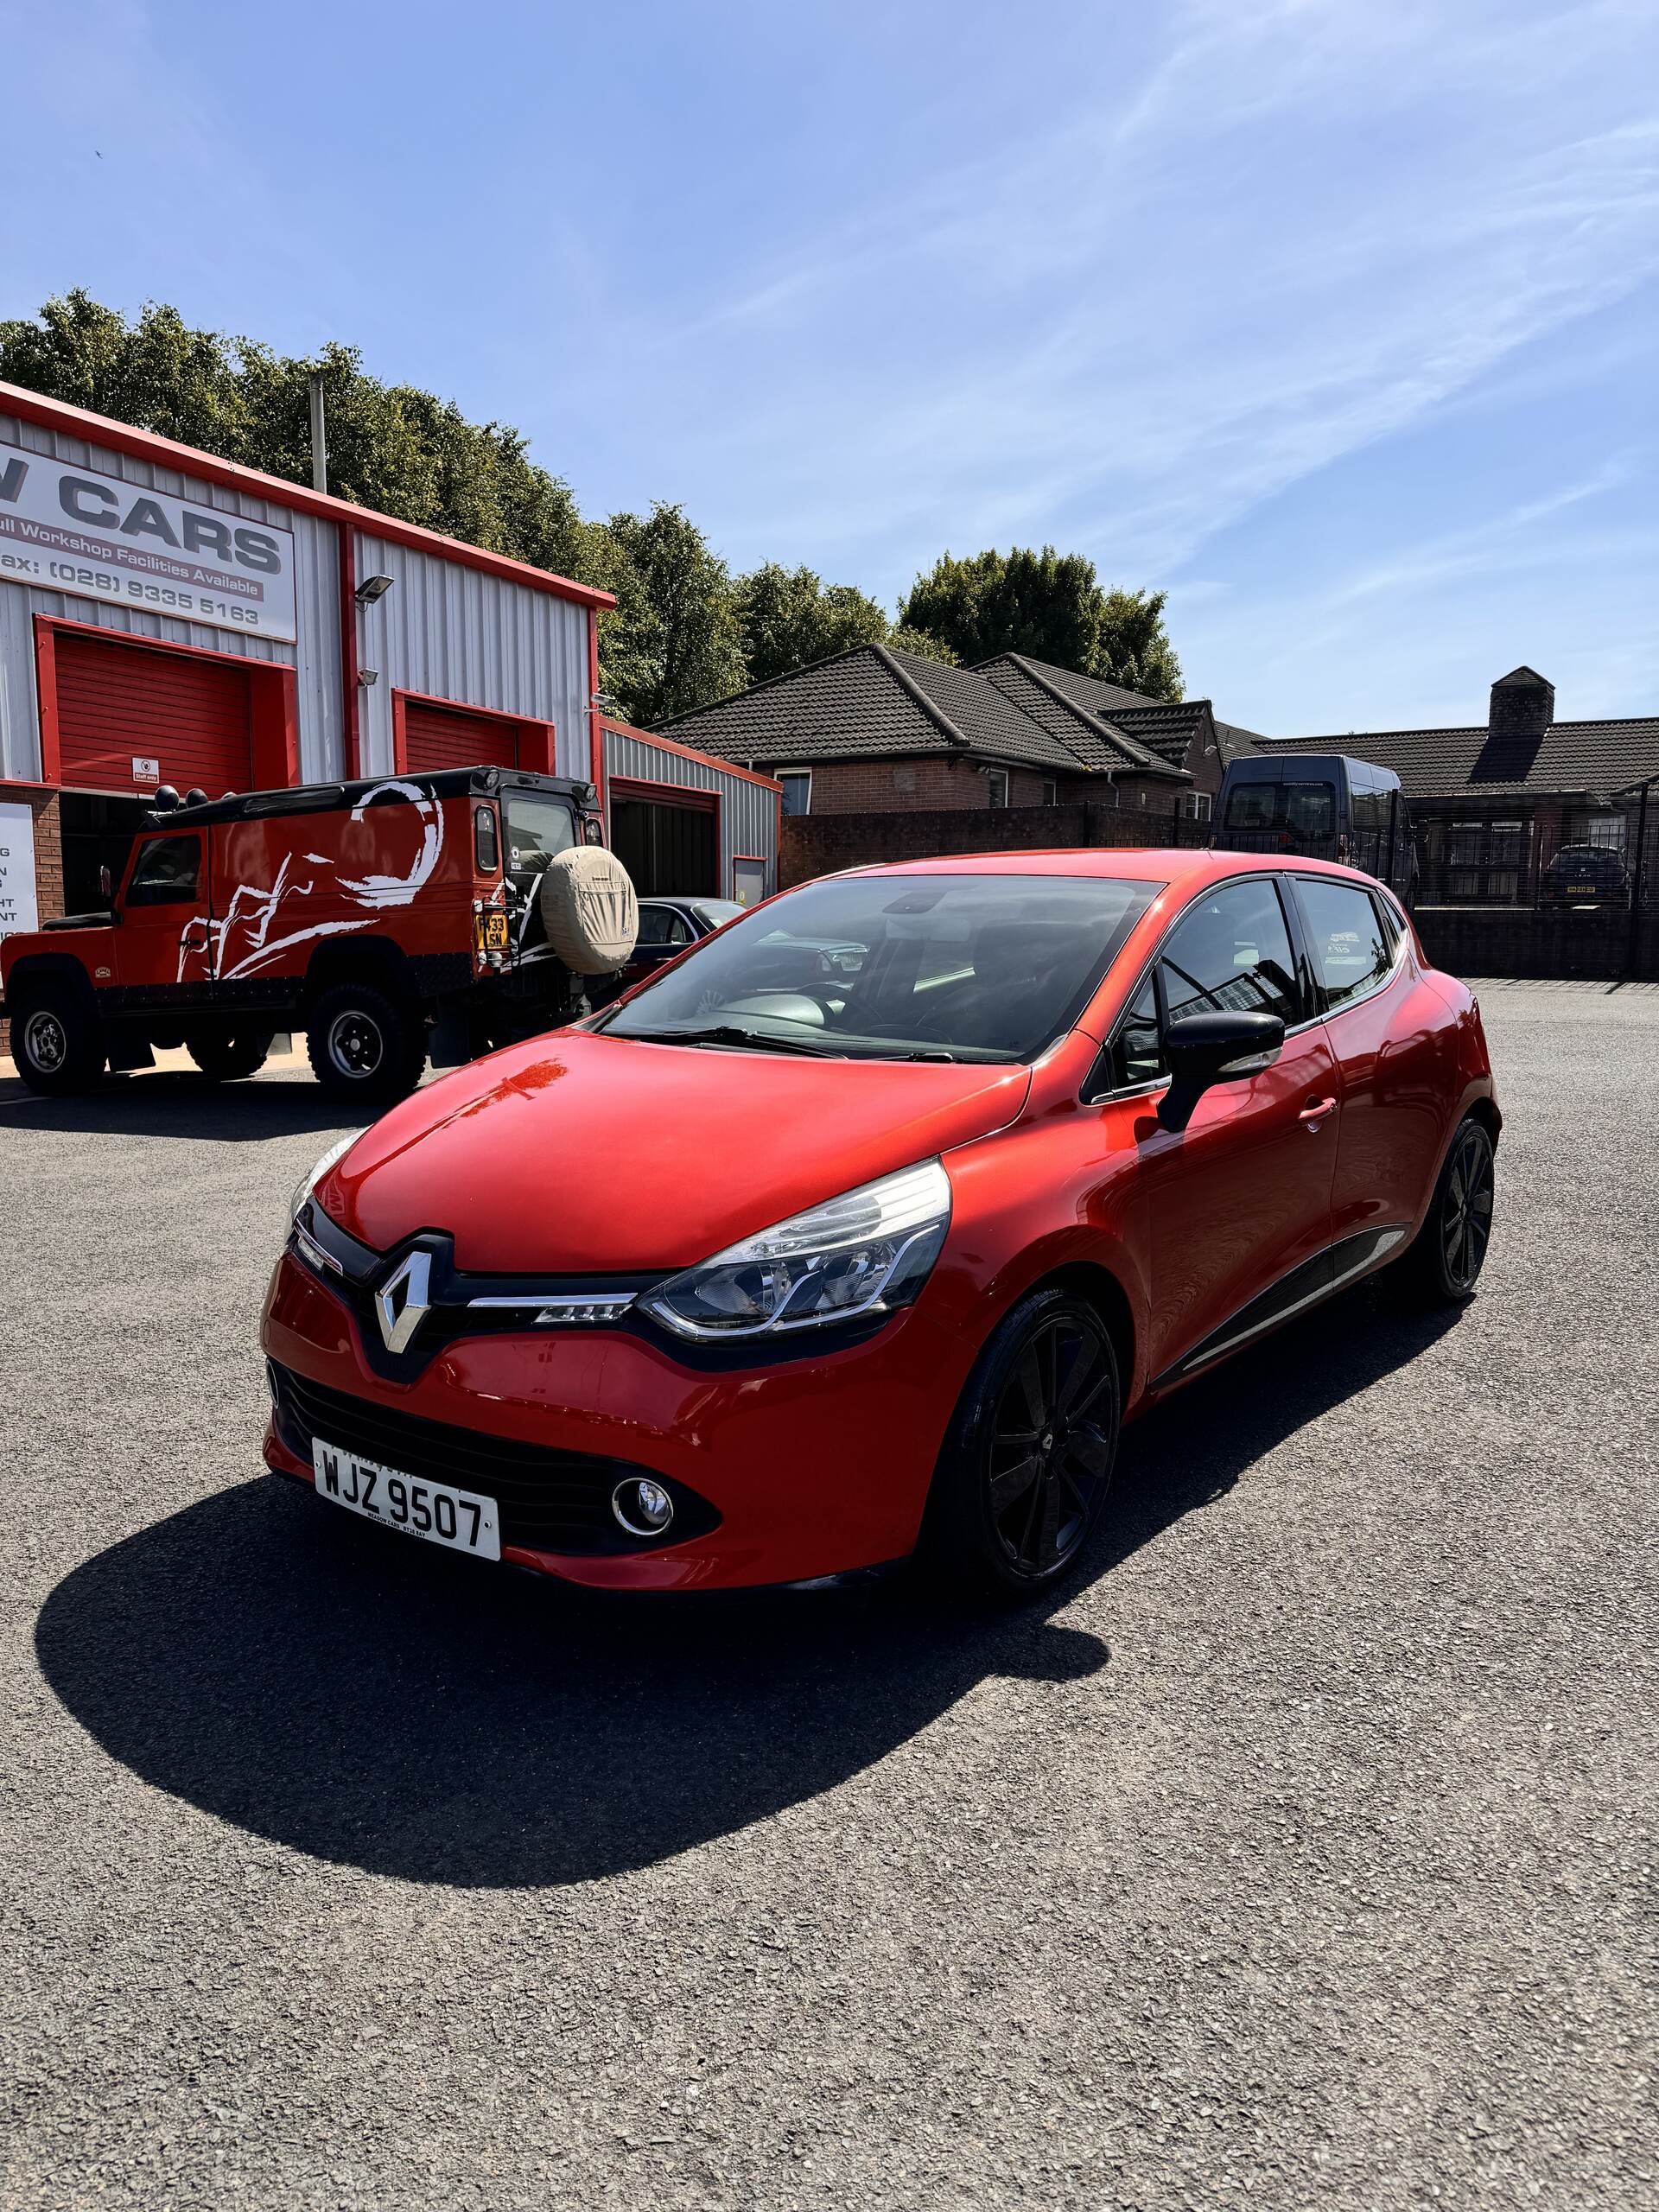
<point>1328,805</point>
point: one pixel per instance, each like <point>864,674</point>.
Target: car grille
<point>548,1501</point>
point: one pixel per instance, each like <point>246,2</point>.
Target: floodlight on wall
<point>607,703</point>
<point>372,588</point>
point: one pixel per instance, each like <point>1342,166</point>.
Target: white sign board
<point>65,528</point>
<point>18,910</point>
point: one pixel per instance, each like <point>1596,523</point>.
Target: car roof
<point>1176,866</point>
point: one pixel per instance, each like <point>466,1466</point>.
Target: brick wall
<point>48,860</point>
<point>817,844</point>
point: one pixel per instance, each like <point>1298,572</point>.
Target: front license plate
<point>437,1512</point>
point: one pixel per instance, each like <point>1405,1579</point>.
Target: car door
<point>162,946</point>
<point>1396,1048</point>
<point>1239,1201</point>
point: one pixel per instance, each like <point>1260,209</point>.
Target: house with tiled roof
<point>877,730</point>
<point>1495,802</point>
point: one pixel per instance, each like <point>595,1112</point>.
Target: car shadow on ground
<point>382,1706</point>
<point>169,1104</point>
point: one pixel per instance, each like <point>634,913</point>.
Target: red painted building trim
<point>535,742</point>
<point>595,724</point>
<point>760,860</point>
<point>145,445</point>
<point>351,700</point>
<point>273,699</point>
<point>689,752</point>
<point>45,692</point>
<point>682,795</point>
<point>666,794</point>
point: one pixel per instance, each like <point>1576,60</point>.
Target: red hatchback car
<point>861,1228</point>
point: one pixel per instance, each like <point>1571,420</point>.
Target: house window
<point>1195,806</point>
<point>998,780</point>
<point>798,790</point>
<point>1606,831</point>
<point>904,779</point>
<point>1050,791</point>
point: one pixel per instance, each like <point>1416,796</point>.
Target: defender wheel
<point>364,1044</point>
<point>57,1041</point>
<point>226,1059</point>
<point>1023,1478</point>
<point>1444,1261</point>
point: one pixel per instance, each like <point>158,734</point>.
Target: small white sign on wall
<point>18,907</point>
<point>144,769</point>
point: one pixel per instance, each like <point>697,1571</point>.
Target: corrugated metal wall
<point>453,632</point>
<point>748,811</point>
<point>315,659</point>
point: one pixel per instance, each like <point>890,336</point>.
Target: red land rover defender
<point>392,920</point>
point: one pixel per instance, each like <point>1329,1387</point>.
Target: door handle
<point>1315,1111</point>
<point>187,936</point>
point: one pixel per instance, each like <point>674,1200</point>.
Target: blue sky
<point>1338,320</point>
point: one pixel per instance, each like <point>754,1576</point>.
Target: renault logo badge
<point>402,1303</point>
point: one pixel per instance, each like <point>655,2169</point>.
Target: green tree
<point>910,640</point>
<point>1051,606</point>
<point>392,448</point>
<point>786,618</point>
<point>1133,648</point>
<point>672,642</point>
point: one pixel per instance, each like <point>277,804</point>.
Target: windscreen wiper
<point>725,1032</point>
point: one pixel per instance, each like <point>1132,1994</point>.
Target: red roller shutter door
<point>119,703</point>
<point>448,737</point>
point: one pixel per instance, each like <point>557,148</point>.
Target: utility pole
<point>319,437</point>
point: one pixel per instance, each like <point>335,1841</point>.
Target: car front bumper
<point>818,1466</point>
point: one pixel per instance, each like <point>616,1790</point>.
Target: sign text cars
<point>64,527</point>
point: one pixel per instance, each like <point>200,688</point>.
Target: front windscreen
<point>935,967</point>
<point>538,826</point>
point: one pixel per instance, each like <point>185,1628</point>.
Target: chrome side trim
<point>1350,1257</point>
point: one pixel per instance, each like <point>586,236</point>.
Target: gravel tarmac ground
<point>1303,1855</point>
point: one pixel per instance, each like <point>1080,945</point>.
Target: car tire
<point>57,1040</point>
<point>1443,1263</point>
<point>228,1058</point>
<point>363,1044</point>
<point>1023,1479</point>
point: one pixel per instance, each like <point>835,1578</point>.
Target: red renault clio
<point>861,1228</point>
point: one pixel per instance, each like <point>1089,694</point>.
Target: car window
<point>949,966</point>
<point>1231,953</point>
<point>1302,810</point>
<point>1346,942</point>
<point>538,826</point>
<point>661,925</point>
<point>1138,1054</point>
<point>166,872</point>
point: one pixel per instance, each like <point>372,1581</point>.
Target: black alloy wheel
<point>1465,1221</point>
<point>1443,1263</point>
<point>1025,1475</point>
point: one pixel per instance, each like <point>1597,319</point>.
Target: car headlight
<point>868,1251</point>
<point>307,1184</point>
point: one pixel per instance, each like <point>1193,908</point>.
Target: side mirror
<point>1203,1049</point>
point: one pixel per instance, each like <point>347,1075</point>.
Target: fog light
<point>644,1509</point>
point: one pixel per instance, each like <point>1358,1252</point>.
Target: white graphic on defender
<point>241,944</point>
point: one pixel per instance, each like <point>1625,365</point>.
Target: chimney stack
<point>1523,706</point>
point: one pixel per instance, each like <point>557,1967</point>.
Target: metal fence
<point>1547,889</point>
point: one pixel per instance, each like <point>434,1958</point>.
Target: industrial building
<point>167,616</point>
